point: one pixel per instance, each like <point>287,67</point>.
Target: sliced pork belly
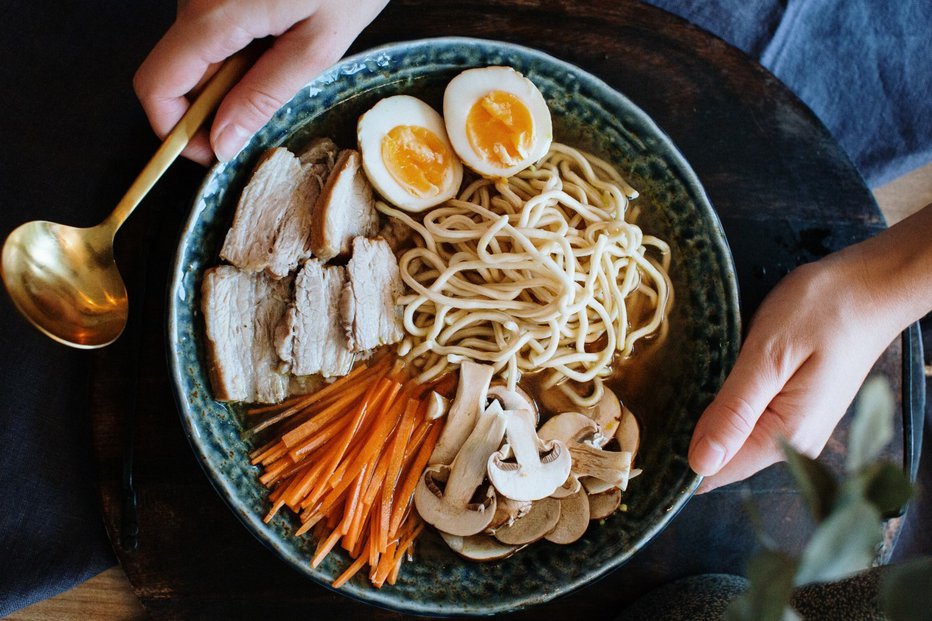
<point>371,315</point>
<point>241,313</point>
<point>273,223</point>
<point>311,338</point>
<point>344,210</point>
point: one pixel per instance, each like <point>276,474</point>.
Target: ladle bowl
<point>64,279</point>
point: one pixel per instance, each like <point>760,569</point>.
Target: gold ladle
<point>64,279</point>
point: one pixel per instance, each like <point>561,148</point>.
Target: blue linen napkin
<point>862,66</point>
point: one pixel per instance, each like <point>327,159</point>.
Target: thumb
<point>295,58</point>
<point>728,421</point>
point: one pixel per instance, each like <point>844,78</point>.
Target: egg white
<point>381,119</point>
<point>467,88</point>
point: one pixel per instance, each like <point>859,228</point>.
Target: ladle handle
<point>178,138</point>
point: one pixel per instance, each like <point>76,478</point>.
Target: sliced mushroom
<point>604,504</point>
<point>538,469</point>
<point>608,468</point>
<point>569,487</point>
<point>516,399</point>
<point>628,433</point>
<point>569,427</point>
<point>437,406</point>
<point>507,511</point>
<point>479,547</point>
<point>452,509</point>
<point>607,413</point>
<point>469,402</point>
<point>574,519</point>
<point>540,520</point>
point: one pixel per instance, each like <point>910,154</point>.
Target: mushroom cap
<point>464,520</point>
<point>604,504</point>
<point>480,548</point>
<point>569,427</point>
<point>517,399</point>
<point>607,413</point>
<point>628,433</point>
<point>574,519</point>
<point>540,520</point>
<point>507,511</point>
<point>538,469</point>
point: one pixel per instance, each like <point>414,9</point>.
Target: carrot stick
<point>324,548</point>
<point>402,436</point>
<point>277,406</point>
<point>384,566</point>
<point>314,442</point>
<point>411,477</point>
<point>351,571</point>
<point>335,409</point>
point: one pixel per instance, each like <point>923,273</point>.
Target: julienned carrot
<point>337,408</point>
<point>351,571</point>
<point>345,460</point>
<point>324,548</point>
<point>411,477</point>
<point>402,436</point>
<point>339,448</point>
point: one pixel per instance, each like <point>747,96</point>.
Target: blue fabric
<point>863,66</point>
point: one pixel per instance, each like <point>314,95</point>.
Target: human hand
<point>310,36</point>
<point>809,348</point>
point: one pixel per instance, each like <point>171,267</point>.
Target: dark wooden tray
<point>784,190</point>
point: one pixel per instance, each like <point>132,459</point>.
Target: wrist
<point>893,272</point>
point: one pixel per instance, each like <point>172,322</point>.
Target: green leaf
<point>815,481</point>
<point>884,485</point>
<point>771,575</point>
<point>904,590</point>
<point>842,545</point>
<point>872,427</point>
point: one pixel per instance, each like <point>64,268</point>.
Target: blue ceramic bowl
<point>667,390</point>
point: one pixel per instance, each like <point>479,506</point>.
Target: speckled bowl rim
<point>381,598</point>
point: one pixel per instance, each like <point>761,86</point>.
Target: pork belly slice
<point>241,313</point>
<point>272,226</point>
<point>371,315</point>
<point>345,209</point>
<point>311,338</point>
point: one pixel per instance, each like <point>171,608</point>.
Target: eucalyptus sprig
<point>849,517</point>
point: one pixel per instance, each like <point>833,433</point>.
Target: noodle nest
<point>544,271</point>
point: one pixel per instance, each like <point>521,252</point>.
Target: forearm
<point>896,272</point>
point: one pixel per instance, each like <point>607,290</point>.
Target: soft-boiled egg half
<point>497,120</point>
<point>406,153</point>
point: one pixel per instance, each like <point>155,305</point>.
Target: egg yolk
<point>417,159</point>
<point>500,129</point>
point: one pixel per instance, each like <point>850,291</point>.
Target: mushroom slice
<point>604,504</point>
<point>569,487</point>
<point>451,509</point>
<point>469,402</point>
<point>569,427</point>
<point>611,468</point>
<point>479,547</point>
<point>540,520</point>
<point>628,433</point>
<point>538,469</point>
<point>607,413</point>
<point>574,519</point>
<point>507,511</point>
<point>437,406</point>
<point>516,399</point>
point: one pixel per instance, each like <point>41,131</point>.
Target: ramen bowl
<point>667,385</point>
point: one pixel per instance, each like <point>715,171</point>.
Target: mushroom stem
<point>468,469</point>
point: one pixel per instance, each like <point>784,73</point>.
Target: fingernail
<point>709,456</point>
<point>230,141</point>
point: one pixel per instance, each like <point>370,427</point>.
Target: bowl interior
<point>667,386</point>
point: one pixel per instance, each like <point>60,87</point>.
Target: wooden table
<point>743,133</point>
